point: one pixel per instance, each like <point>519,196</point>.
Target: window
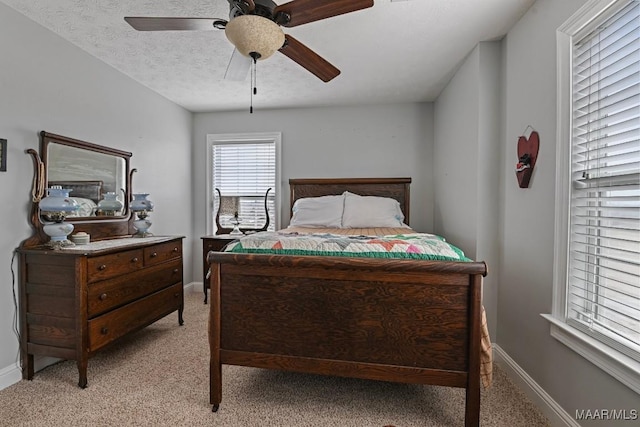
<point>603,295</point>
<point>244,166</point>
<point>597,273</point>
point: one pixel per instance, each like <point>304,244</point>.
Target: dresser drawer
<point>114,324</point>
<point>108,294</point>
<point>162,252</point>
<point>112,265</point>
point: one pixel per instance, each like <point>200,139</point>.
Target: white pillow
<point>86,207</point>
<point>371,211</point>
<point>318,212</point>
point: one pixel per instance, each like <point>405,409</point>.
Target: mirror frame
<point>99,227</point>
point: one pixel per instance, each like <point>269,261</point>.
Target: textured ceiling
<point>396,51</point>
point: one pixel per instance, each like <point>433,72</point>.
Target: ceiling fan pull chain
<point>253,72</point>
<point>255,76</point>
<point>254,80</point>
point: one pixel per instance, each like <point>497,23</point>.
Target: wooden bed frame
<point>399,320</point>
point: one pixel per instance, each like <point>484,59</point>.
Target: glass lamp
<point>141,206</point>
<point>54,208</point>
<point>255,36</point>
<point>110,205</point>
<point>229,206</point>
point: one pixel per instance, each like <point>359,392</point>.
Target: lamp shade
<point>253,33</point>
<point>110,205</point>
<point>141,203</point>
<point>229,205</point>
<point>58,200</point>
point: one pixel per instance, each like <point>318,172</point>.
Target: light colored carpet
<point>160,377</point>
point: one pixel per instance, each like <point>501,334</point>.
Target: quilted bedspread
<point>410,246</point>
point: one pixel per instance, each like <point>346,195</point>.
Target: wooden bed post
<point>215,367</point>
<point>472,407</point>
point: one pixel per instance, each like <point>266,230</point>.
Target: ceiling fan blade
<point>307,58</point>
<point>298,12</point>
<point>238,68</point>
<point>174,24</point>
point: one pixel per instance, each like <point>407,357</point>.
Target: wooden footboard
<point>407,321</point>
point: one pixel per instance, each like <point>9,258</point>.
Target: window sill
<point>621,367</point>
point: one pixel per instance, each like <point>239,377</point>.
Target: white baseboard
<point>13,373</point>
<point>196,286</point>
<point>557,416</point>
<point>193,287</point>
<point>10,375</point>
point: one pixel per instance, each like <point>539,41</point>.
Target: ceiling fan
<point>254,29</point>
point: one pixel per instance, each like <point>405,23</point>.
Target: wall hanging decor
<point>527,156</point>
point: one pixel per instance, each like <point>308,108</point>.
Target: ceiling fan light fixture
<point>252,33</point>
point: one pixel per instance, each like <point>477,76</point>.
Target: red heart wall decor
<point>527,156</point>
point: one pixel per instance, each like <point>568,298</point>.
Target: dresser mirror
<point>92,173</point>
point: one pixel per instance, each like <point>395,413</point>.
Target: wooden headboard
<point>395,188</point>
<point>85,189</point>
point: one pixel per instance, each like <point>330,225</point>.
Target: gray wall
<point>519,285</point>
<point>365,141</point>
<point>527,223</point>
<point>48,84</point>
<point>466,160</point>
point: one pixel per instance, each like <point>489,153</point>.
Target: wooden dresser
<point>75,301</point>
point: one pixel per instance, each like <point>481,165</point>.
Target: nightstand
<point>212,243</point>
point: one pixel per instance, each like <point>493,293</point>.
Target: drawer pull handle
<point>104,330</point>
<point>153,255</point>
<point>176,295</point>
<point>175,270</point>
<point>102,267</point>
<point>134,259</point>
<point>175,249</point>
<point>102,297</point>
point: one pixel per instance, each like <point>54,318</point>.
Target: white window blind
<point>603,292</point>
<point>246,170</point>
